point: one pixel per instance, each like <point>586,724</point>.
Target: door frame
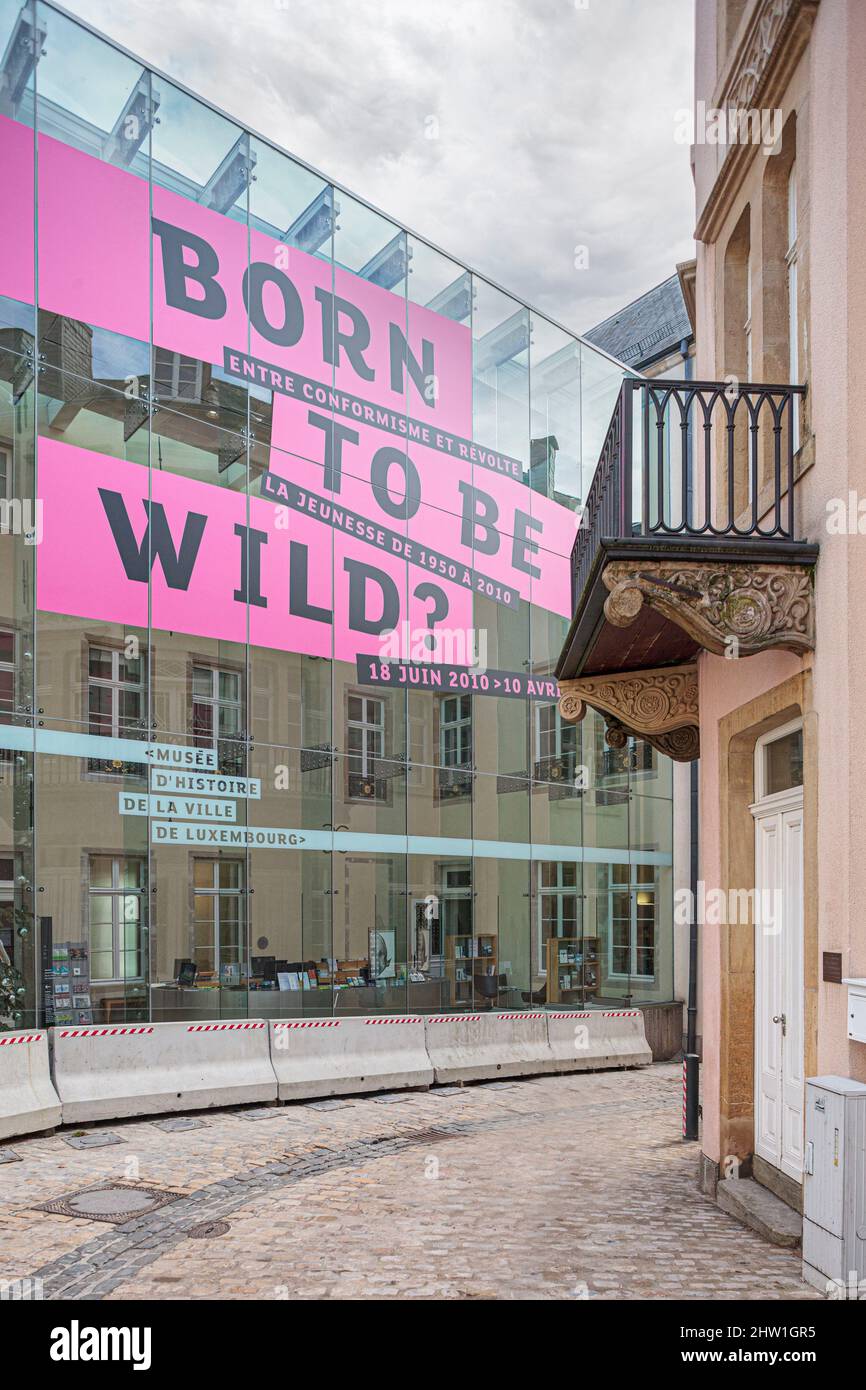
<point>779,807</point>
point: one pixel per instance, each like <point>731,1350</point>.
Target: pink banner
<point>371,421</point>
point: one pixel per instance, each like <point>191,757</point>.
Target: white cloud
<point>556,123</point>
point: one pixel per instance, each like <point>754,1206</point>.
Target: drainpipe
<point>691,1075</point>
<point>691,1063</point>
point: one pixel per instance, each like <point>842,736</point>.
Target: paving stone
<point>571,1187</point>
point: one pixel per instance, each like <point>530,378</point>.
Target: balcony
<point>687,543</point>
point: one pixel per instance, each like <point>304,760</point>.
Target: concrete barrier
<point>149,1069</point>
<point>340,1056</point>
<point>28,1101</point>
<point>596,1039</point>
<point>481,1047</point>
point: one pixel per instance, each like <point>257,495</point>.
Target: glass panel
<point>783,763</point>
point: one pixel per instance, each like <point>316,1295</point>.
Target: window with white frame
<point>176,377</point>
<point>6,486</point>
<point>218,915</point>
<point>115,692</point>
<point>115,892</point>
<point>366,733</point>
<point>217,715</point>
<point>558,906</point>
<point>365,739</point>
<point>791,260</point>
<point>632,905</point>
<point>455,731</point>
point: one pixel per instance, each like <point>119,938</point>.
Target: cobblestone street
<point>558,1187</point>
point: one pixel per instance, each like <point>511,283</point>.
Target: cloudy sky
<point>513,133</point>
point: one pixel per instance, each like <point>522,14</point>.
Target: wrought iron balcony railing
<point>692,459</point>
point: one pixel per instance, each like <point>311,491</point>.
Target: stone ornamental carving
<point>765,30</point>
<point>744,608</point>
<point>660,706</point>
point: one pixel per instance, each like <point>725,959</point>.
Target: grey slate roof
<point>647,328</point>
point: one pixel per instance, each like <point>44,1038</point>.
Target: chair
<point>538,996</point>
<point>486,988</point>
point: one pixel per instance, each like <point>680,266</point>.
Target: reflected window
<point>115,703</point>
<point>7,907</point>
<point>217,715</point>
<point>559,917</point>
<point>366,743</point>
<point>556,742</point>
<point>218,903</point>
<point>632,906</point>
<point>7,676</point>
<point>455,746</point>
<point>115,886</point>
<point>177,378</point>
<point>5,475</point>
<point>115,692</point>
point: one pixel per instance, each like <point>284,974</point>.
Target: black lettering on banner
<point>156,543</point>
<point>503,685</point>
<point>402,357</point>
<point>383,461</point>
<point>299,586</point>
<point>487,544</point>
<point>353,344</point>
<point>255,278</point>
<point>250,589</point>
<point>177,271</point>
<point>523,545</point>
<point>360,575</point>
<point>285,493</point>
<point>336,435</point>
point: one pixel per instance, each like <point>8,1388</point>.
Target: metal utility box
<point>856,1010</point>
<point>834,1184</point>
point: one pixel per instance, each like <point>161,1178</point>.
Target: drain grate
<point>205,1230</point>
<point>114,1202</point>
<point>429,1136</point>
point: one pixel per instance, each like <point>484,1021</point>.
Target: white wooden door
<point>779,1079</point>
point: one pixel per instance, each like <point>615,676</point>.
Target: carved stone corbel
<point>660,706</point>
<point>738,609</point>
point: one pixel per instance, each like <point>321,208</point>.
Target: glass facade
<point>288,500</point>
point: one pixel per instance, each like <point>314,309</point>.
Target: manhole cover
<point>446,1091</point>
<point>206,1229</point>
<point>9,1156</point>
<point>179,1123</point>
<point>329,1104</point>
<point>97,1139</point>
<point>269,1112</point>
<point>114,1202</point>
<point>393,1099</point>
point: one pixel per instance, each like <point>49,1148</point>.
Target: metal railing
<point>692,459</point>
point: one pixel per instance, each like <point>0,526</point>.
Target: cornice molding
<point>757,76</point>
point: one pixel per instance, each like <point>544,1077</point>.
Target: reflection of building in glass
<point>332,844</point>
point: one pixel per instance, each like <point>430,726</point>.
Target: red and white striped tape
<point>102,1032</point>
<point>310,1023</point>
<point>685,1123</point>
<point>393,1020</point>
<point>220,1027</point>
<point>509,1018</point>
<point>21,1038</point>
<point>456,1018</point>
<point>592,1013</point>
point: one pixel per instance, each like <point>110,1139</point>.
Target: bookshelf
<point>572,969</point>
<point>466,956</point>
